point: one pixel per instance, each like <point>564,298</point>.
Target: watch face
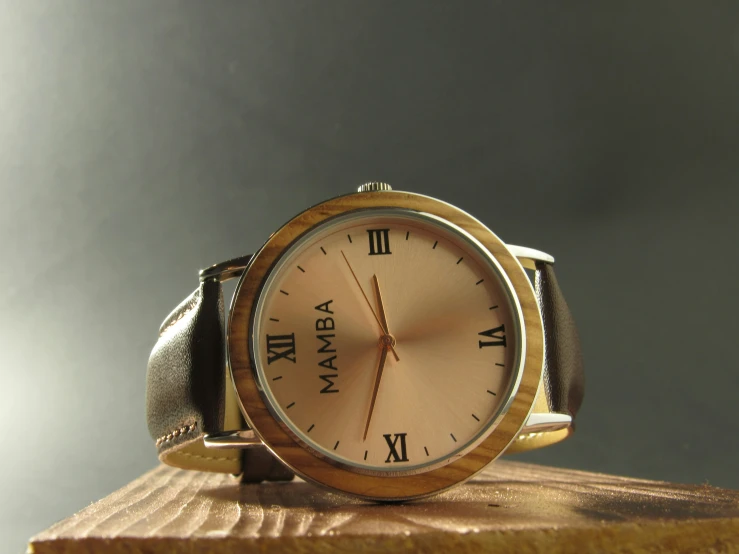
<point>386,341</point>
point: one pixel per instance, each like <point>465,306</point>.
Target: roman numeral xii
<point>280,347</point>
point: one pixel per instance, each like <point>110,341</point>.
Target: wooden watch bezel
<point>286,447</point>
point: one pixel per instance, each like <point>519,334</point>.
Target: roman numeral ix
<point>279,347</point>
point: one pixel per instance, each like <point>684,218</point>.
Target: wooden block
<point>512,507</point>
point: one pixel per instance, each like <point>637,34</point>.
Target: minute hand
<point>378,377</point>
<point>383,327</point>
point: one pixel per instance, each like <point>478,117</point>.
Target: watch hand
<point>380,306</point>
<point>383,328</point>
<point>380,367</point>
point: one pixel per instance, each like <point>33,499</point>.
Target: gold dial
<point>386,340</point>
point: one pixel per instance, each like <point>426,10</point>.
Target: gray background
<point>141,141</point>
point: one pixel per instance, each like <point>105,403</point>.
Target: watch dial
<point>325,342</point>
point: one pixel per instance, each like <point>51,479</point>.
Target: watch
<point>383,344</point>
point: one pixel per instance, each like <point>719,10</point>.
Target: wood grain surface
<point>511,507</point>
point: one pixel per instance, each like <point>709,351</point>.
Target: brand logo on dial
<point>325,346</point>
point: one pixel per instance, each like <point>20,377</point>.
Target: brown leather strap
<point>562,384</point>
<point>564,377</point>
<point>186,396</point>
<point>185,377</point>
<point>185,374</point>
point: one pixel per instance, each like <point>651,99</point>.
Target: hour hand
<point>388,338</point>
<point>380,306</point>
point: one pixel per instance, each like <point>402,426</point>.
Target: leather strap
<point>187,395</point>
<point>564,376</point>
<point>185,388</point>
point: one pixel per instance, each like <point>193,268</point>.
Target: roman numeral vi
<point>392,443</point>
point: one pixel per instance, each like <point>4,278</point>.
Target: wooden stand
<point>512,507</point>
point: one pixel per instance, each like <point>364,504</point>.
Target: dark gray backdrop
<point>141,141</point>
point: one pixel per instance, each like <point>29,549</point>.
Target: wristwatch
<point>383,344</point>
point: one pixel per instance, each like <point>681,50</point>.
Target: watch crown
<point>374,187</point>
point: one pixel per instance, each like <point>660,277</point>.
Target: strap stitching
<point>205,457</point>
<point>176,433</point>
<point>189,429</point>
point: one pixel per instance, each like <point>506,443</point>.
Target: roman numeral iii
<point>497,334</point>
<point>392,443</point>
<point>379,241</point>
<point>279,347</point>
